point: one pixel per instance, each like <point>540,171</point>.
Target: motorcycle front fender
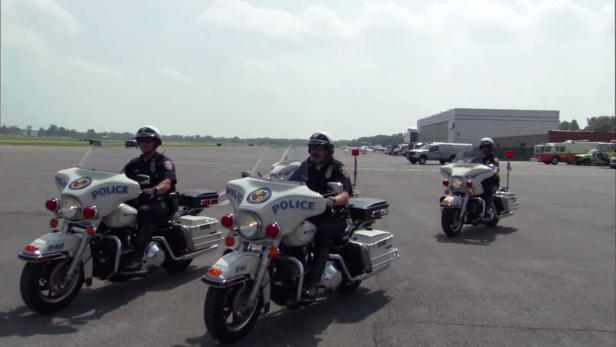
<point>235,268</point>
<point>56,246</point>
<point>232,268</point>
<point>452,201</point>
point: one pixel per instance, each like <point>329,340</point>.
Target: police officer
<point>490,184</point>
<point>153,205</point>
<point>320,169</point>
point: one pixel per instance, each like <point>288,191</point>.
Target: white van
<point>441,151</point>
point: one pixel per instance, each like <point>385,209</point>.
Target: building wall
<point>470,125</point>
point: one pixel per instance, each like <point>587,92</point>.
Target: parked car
<point>442,151</point>
<point>613,162</point>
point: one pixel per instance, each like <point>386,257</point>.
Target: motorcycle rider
<point>317,171</point>
<point>153,205</point>
<point>491,184</point>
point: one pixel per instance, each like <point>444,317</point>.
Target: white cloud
<point>174,74</point>
<point>240,15</point>
<point>91,68</point>
<point>25,40</point>
<point>52,8</point>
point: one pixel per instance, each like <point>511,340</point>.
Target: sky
<point>285,69</point>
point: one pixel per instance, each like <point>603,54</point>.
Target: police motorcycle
<point>269,243</point>
<point>94,227</point>
<point>462,202</point>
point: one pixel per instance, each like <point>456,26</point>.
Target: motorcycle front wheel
<point>227,315</point>
<point>451,222</point>
<point>43,288</point>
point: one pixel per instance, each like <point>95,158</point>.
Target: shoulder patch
<point>168,165</point>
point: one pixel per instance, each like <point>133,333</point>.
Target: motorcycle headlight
<point>456,183</point>
<point>249,226</point>
<point>70,207</point>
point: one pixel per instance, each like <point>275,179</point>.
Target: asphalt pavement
<point>544,276</point>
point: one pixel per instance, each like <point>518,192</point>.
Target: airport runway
<point>543,277</point>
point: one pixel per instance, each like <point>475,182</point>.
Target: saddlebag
<point>379,246</point>
<point>364,209</point>
<point>198,198</point>
<point>506,203</point>
<point>199,232</point>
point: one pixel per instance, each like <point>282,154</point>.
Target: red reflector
<point>227,221</point>
<point>89,212</point>
<point>53,223</point>
<point>229,241</point>
<point>272,230</point>
<point>30,249</point>
<point>90,230</point>
<point>205,203</point>
<point>355,152</point>
<point>273,252</point>
<point>446,182</point>
<point>51,205</point>
<point>214,272</point>
<point>469,184</point>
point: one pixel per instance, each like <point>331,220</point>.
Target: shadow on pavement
<point>302,327</point>
<point>89,305</point>
<point>476,235</point>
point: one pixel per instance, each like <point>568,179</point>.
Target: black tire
<point>555,161</point>
<point>493,222</point>
<point>216,312</point>
<point>443,162</point>
<point>546,162</point>
<point>422,160</point>
<point>39,277</point>
<point>173,267</point>
<point>348,287</point>
<point>586,162</point>
<point>413,160</point>
<point>448,219</point>
<point>452,158</point>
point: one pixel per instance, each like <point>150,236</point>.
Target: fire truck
<point>556,152</point>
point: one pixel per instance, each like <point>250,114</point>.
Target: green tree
<point>601,123</point>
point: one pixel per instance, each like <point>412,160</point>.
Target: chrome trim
<point>300,268</point>
<point>186,256</point>
<point>116,265</point>
<point>225,282</point>
<point>42,258</point>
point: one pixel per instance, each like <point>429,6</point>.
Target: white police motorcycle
<point>462,202</point>
<point>94,227</point>
<point>269,239</point>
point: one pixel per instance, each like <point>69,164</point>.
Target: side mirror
<point>335,187</point>
<point>245,174</point>
<point>143,180</point>
<point>130,143</point>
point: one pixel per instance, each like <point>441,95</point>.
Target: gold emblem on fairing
<point>259,196</point>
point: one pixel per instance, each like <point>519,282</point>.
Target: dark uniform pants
<point>149,213</point>
<point>328,227</point>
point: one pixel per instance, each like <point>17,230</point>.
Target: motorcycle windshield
<point>472,156</point>
<point>108,156</point>
<point>282,164</point>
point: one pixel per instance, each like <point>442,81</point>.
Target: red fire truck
<point>556,152</point>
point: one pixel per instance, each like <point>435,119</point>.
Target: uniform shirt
<point>317,179</point>
<point>158,168</point>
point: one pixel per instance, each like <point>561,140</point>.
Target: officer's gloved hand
<point>331,201</point>
<point>149,193</point>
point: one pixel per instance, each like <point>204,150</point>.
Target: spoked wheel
<point>451,222</point>
<point>228,315</point>
<point>44,289</point>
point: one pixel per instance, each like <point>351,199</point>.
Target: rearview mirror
<point>335,187</point>
<point>245,174</point>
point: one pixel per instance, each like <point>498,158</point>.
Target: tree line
<point>600,123</point>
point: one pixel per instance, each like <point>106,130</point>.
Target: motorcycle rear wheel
<point>224,303</point>
<point>43,288</point>
<point>451,221</point>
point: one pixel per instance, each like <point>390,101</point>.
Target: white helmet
<point>486,142</point>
